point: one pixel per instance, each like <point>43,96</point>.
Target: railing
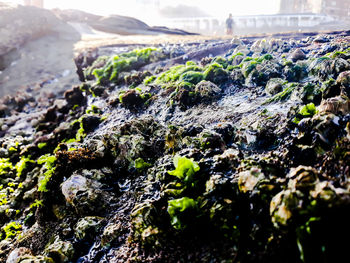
<point>249,24</point>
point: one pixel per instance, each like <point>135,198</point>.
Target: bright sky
<point>135,8</point>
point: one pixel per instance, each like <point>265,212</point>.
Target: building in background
<point>37,3</point>
<point>335,8</point>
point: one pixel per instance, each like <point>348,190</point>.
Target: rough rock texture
<point>238,157</point>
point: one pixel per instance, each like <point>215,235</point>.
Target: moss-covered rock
<point>87,227</point>
<point>275,85</point>
<point>60,251</point>
<point>207,91</point>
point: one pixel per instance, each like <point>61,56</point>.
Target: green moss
<point>264,57</point>
<point>316,65</point>
<point>192,77</point>
<point>140,164</point>
<point>149,80</point>
<point>5,166</point>
<point>248,67</point>
<point>235,55</point>
<point>308,110</point>
<point>249,64</point>
<point>80,134</point>
<point>283,95</point>
<point>343,54</point>
<point>22,165</point>
<point>220,60</point>
<point>42,145</point>
<point>185,169</point>
<point>174,73</point>
<point>11,230</point>
<point>93,109</point>
<point>49,164</point>
<point>12,149</point>
<point>215,73</point>
<point>37,203</point>
<point>123,62</point>
<point>180,210</point>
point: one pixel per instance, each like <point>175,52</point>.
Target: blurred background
<point>208,17</point>
<point>40,38</point>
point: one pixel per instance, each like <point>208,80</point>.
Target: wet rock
<point>131,99</point>
<point>344,80</point>
<point>248,180</point>
<point>185,97</point>
<point>260,46</point>
<point>274,86</point>
<point>283,206</point>
<point>295,72</point>
<point>34,259</point>
<point>74,96</point>
<point>18,253</point>
<point>97,146</point>
<point>211,140</point>
<point>87,227</point>
<point>90,122</point>
<point>110,233</point>
<point>321,39</point>
<point>136,78</point>
<point>337,105</point>
<point>237,76</point>
<point>302,178</point>
<point>330,89</point>
<point>297,54</point>
<point>325,67</point>
<point>85,195</point>
<point>207,91</point>
<point>83,60</point>
<point>60,251</point>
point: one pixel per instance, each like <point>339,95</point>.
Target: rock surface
<point>171,154</point>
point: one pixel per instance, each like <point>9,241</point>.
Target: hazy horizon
<point>148,10</point>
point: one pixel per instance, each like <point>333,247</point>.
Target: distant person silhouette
<point>229,25</point>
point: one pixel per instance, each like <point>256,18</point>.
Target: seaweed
<point>180,211</point>
<point>123,62</point>
<point>284,94</point>
<point>185,169</point>
<point>49,162</point>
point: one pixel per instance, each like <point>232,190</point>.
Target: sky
<point>135,8</point>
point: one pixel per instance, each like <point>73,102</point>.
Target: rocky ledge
<point>206,152</point>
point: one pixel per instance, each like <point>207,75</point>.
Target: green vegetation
<point>249,64</point>
<point>140,164</point>
<point>215,73</point>
<point>306,111</point>
<point>174,73</point>
<point>22,165</point>
<point>235,55</point>
<point>37,203</point>
<point>11,230</point>
<point>42,145</point>
<point>93,109</point>
<point>185,169</point>
<point>49,164</point>
<point>220,60</point>
<point>284,94</point>
<point>123,62</point>
<point>192,77</point>
<point>179,210</point>
<point>5,166</point>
